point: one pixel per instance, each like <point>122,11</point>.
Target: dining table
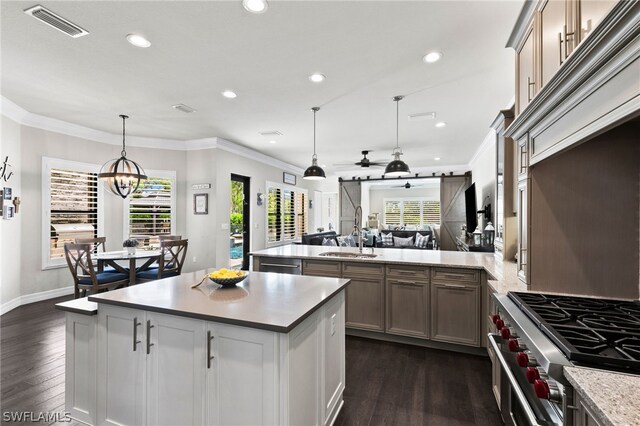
<point>111,258</point>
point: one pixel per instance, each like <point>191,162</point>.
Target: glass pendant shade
<point>397,167</point>
<point>314,172</point>
<point>121,175</point>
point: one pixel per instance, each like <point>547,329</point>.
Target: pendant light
<point>314,172</point>
<point>397,167</point>
<point>122,176</point>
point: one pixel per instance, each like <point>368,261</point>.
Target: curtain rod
<point>400,178</point>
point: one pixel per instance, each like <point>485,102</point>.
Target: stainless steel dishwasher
<point>281,265</point>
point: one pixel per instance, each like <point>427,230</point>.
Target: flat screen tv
<point>471,208</point>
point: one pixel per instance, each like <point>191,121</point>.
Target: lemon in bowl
<point>227,277</point>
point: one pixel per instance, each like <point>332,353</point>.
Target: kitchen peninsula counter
<point>270,350</point>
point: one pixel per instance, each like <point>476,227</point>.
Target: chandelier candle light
<point>397,167</point>
<point>122,176</point>
<point>314,172</point>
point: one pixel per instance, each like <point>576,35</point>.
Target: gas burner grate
<point>581,303</point>
<point>631,308</point>
<point>611,322</point>
<point>630,347</point>
<point>554,315</point>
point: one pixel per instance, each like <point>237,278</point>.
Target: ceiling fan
<point>407,185</point>
<point>364,161</point>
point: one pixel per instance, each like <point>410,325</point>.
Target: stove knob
<point>532,374</point>
<point>499,324</point>
<point>542,389</point>
<point>516,345</point>
<point>507,332</point>
<point>495,318</point>
<point>525,359</point>
<point>547,390</point>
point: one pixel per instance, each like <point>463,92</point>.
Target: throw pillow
<point>422,240</point>
<point>329,242</point>
<point>403,242</point>
<point>350,241</point>
<point>387,239</point>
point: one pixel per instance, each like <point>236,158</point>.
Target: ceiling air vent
<point>422,116</point>
<point>56,21</point>
<point>183,108</point>
<point>271,133</point>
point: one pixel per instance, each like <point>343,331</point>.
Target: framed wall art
<point>200,203</point>
<point>288,178</point>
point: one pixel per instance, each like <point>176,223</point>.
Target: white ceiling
<point>369,51</point>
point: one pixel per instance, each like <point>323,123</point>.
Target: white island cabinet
<point>273,357</point>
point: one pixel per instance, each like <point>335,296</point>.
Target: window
<point>286,213</point>
<point>413,212</point>
<point>149,212</point>
<point>72,203</point>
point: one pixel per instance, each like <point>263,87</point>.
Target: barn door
<point>452,206</point>
<point>350,194</point>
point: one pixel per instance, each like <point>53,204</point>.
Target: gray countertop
<point>269,301</point>
<point>79,306</point>
<point>613,397</point>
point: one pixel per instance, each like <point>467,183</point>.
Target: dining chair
<point>169,237</point>
<point>85,276</point>
<point>98,244</point>
<point>172,256</point>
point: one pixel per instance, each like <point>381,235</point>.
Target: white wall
<point>483,173</point>
<point>10,241</point>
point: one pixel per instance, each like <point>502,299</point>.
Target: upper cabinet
<point>525,70</point>
<point>547,33</point>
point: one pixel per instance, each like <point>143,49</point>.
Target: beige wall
<point>483,174</point>
<point>10,241</point>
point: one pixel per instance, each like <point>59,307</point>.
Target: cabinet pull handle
<point>454,285</point>
<point>566,42</point>
<point>149,344</point>
<point>407,282</point>
<point>279,266</point>
<point>560,41</point>
<point>135,333</point>
<point>529,84</point>
<point>209,356</point>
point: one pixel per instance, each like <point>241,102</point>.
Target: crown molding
<point>23,117</point>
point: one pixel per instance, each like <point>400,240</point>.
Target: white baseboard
<point>35,297</point>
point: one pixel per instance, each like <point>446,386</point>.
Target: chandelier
<point>121,175</point>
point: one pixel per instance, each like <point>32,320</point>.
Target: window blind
<point>414,212</point>
<point>150,212</point>
<point>73,208</point>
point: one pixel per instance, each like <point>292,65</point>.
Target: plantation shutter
<point>150,209</point>
<point>392,211</point>
<point>74,208</point>
<point>431,212</point>
<point>301,214</point>
<point>288,215</point>
<point>411,213</point>
<point>274,222</point>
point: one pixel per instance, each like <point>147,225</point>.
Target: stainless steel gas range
<point>538,334</point>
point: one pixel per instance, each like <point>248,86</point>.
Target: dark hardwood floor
<point>394,384</point>
<point>387,383</point>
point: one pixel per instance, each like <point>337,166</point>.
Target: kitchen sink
<point>348,255</point>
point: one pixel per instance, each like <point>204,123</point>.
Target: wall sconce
<point>310,204</point>
<point>261,198</point>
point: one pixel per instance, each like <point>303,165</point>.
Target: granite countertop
<point>502,276</point>
<point>613,397</point>
<point>269,301</point>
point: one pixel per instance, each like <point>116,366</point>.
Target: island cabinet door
<point>241,376</point>
<point>455,313</point>
<point>121,366</point>
<point>407,305</point>
<point>176,369</point>
<point>80,365</point>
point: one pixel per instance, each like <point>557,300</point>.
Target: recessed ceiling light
<point>229,94</point>
<point>437,158</point>
<point>317,77</point>
<point>432,57</point>
<point>441,124</point>
<point>138,40</point>
<point>255,6</point>
<point>272,141</point>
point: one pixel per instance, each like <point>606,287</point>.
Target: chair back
<point>173,254</point>
<point>162,238</point>
<point>79,261</point>
<point>97,243</point>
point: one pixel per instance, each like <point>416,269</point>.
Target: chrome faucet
<point>358,227</point>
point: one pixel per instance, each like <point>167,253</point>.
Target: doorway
<point>240,225</point>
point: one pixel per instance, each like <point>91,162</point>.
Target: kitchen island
<point>268,351</point>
